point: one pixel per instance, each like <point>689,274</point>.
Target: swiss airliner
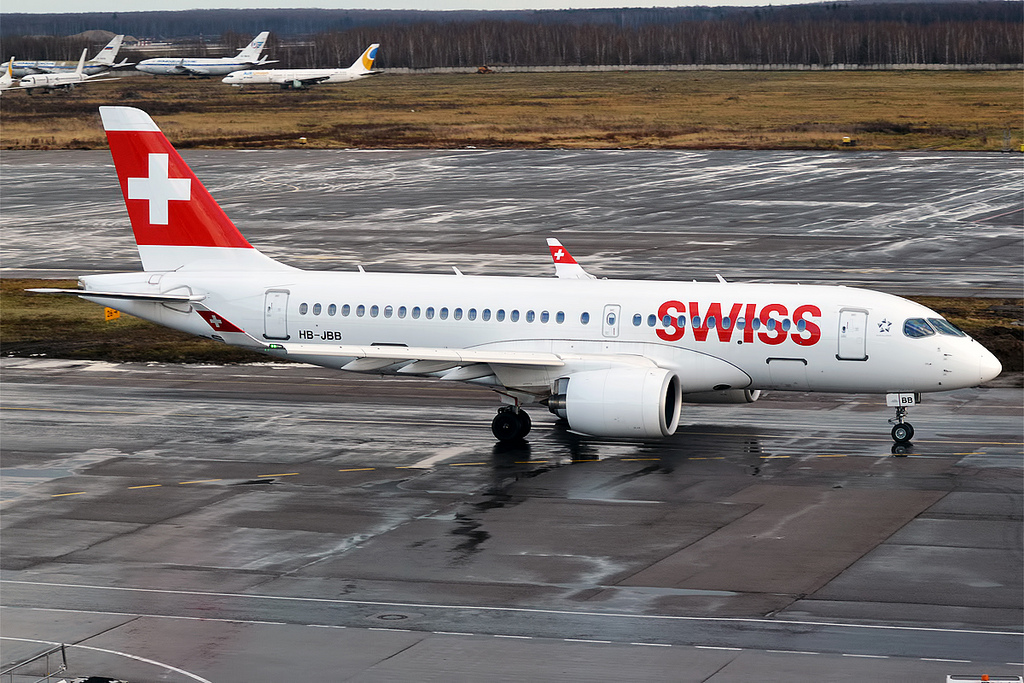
<point>248,57</point>
<point>299,79</point>
<point>614,358</point>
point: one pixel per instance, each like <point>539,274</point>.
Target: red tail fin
<point>176,221</point>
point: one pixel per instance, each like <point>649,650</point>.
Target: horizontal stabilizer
<point>124,296</point>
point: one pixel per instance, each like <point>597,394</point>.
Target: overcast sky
<point>60,6</point>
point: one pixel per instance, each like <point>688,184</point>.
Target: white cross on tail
<point>159,189</point>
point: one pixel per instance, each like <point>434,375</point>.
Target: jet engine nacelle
<point>726,396</point>
<point>622,402</point>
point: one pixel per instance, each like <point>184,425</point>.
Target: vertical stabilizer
<point>177,223</point>
<point>80,69</point>
<point>251,52</point>
<point>107,55</point>
<point>364,64</point>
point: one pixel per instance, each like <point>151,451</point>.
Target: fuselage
<point>291,76</point>
<point>714,335</point>
<point>26,68</point>
<point>196,66</point>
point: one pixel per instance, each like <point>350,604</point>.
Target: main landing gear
<point>511,424</point>
<point>902,432</point>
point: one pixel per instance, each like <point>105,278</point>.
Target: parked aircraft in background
<point>303,78</point>
<point>248,57</point>
<point>62,81</point>
<point>614,358</point>
<point>103,61</point>
<point>7,79</point>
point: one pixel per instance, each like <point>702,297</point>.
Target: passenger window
<point>915,328</point>
<point>666,321</point>
<point>374,310</point>
<point>726,323</point>
<point>345,310</point>
<point>486,315</point>
<point>711,322</point>
<point>360,310</point>
<point>560,317</point>
<point>946,327</point>
<point>415,312</point>
<point>638,320</point>
<point>584,317</point>
<point>430,312</point>
<point>471,314</point>
<point>457,314</point>
<point>332,309</point>
<point>785,325</point>
<point>696,321</point>
<point>530,316</point>
<point>652,320</point>
<point>316,309</point>
<point>303,309</point>
<point>544,316</point>
<point>401,311</point>
<point>514,315</point>
<point>443,313</point>
<point>500,315</point>
<point>681,321</point>
<point>388,310</point>
<point>741,323</point>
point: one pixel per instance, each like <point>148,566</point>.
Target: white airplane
<point>66,81</point>
<point>103,61</point>
<point>248,57</point>
<point>7,79</point>
<point>614,358</point>
<point>303,78</point>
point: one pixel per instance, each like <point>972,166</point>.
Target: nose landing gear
<point>902,432</point>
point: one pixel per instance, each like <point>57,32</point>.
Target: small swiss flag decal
<point>219,323</point>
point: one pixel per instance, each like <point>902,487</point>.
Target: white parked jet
<point>248,57</point>
<point>103,61</point>
<point>303,78</point>
<point>614,358</point>
<point>50,82</point>
<point>7,79</point>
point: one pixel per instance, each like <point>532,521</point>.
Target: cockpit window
<point>946,327</point>
<point>915,328</point>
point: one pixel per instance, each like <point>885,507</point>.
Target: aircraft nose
<point>990,366</point>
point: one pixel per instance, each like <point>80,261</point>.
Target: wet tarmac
<point>936,223</point>
<point>285,522</point>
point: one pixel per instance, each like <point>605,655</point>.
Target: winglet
<point>565,264</point>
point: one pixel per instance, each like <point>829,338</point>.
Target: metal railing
<point>7,675</point>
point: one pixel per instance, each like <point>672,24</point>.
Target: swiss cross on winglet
<point>218,323</point>
<point>565,264</point>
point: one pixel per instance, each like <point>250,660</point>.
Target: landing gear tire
<point>525,423</point>
<point>510,425</point>
<point>902,433</point>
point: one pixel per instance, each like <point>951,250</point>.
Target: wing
<point>445,363</point>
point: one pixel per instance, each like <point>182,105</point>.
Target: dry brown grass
<point>751,110</point>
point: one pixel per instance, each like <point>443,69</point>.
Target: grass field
<point>50,325</point>
<point>897,110</point>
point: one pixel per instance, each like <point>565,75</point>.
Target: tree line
<point>915,33</point>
